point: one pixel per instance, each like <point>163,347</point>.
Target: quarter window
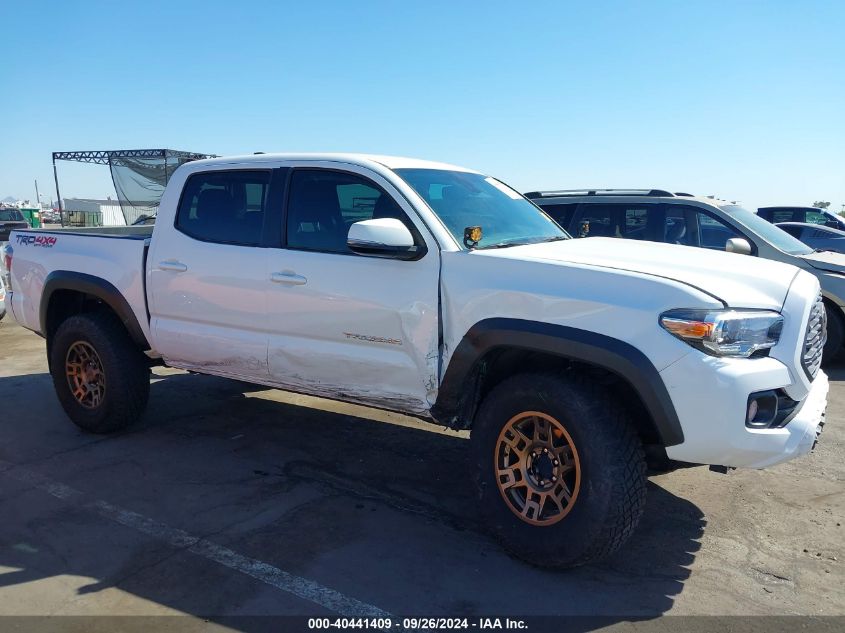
<point>224,206</point>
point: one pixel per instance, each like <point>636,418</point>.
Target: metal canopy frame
<point>105,157</point>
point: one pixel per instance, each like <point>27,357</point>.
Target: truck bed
<point>116,255</point>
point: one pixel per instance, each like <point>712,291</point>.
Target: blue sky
<point>745,100</point>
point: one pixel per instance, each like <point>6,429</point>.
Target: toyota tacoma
<point>441,293</point>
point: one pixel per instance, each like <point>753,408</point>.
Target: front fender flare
<point>458,394</point>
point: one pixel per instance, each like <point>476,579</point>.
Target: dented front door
<point>345,326</point>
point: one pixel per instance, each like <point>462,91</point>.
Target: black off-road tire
<point>611,496</point>
<point>835,334</point>
<point>125,368</point>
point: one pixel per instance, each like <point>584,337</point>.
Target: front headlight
<point>725,332</point>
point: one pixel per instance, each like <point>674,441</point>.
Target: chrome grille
<point>814,340</point>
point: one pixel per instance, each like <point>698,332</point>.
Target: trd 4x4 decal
<point>47,241</point>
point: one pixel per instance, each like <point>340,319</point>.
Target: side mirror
<point>738,245</point>
<point>384,237</point>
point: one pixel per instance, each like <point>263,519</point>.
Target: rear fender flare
<point>95,287</point>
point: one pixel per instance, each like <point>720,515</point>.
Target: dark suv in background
<point>809,215</point>
<point>11,220</point>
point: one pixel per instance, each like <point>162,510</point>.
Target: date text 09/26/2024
<point>417,623</point>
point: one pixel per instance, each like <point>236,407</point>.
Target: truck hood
<point>739,281</point>
<point>831,262</point>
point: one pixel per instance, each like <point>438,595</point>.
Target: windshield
<point>10,215</point>
<point>462,200</point>
<point>775,236</point>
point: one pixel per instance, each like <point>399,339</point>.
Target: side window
<point>224,206</point>
<point>814,217</point>
<point>714,233</point>
<point>598,220</point>
<point>323,204</point>
<point>638,221</point>
<point>785,216</point>
<point>794,231</point>
<point>677,229</point>
<point>633,222</point>
<point>561,213</point>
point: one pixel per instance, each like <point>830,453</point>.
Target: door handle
<point>288,278</point>
<point>172,265</point>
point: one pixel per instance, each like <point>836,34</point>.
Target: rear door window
<point>226,207</point>
<point>630,221</point>
<point>786,216</point>
<point>599,220</point>
<point>680,226</point>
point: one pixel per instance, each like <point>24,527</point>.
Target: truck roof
<point>391,162</point>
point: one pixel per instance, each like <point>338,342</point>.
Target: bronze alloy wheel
<point>85,375</point>
<point>537,468</point>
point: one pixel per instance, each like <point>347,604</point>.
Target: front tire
<point>560,472</point>
<point>102,380</point>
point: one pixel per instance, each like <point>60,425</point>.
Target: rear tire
<point>835,333</point>
<point>102,380</point>
<point>603,471</point>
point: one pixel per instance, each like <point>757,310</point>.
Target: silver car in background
<point>817,236</point>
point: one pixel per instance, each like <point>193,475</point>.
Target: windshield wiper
<point>501,245</point>
<point>556,238</point>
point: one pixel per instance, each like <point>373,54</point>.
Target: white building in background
<point>109,211</point>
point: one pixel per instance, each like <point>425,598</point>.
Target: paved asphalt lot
<point>230,499</point>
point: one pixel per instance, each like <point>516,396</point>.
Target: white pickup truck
<point>439,292</point>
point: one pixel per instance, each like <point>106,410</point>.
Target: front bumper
<point>711,396</point>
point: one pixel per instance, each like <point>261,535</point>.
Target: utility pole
<point>37,196</point>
